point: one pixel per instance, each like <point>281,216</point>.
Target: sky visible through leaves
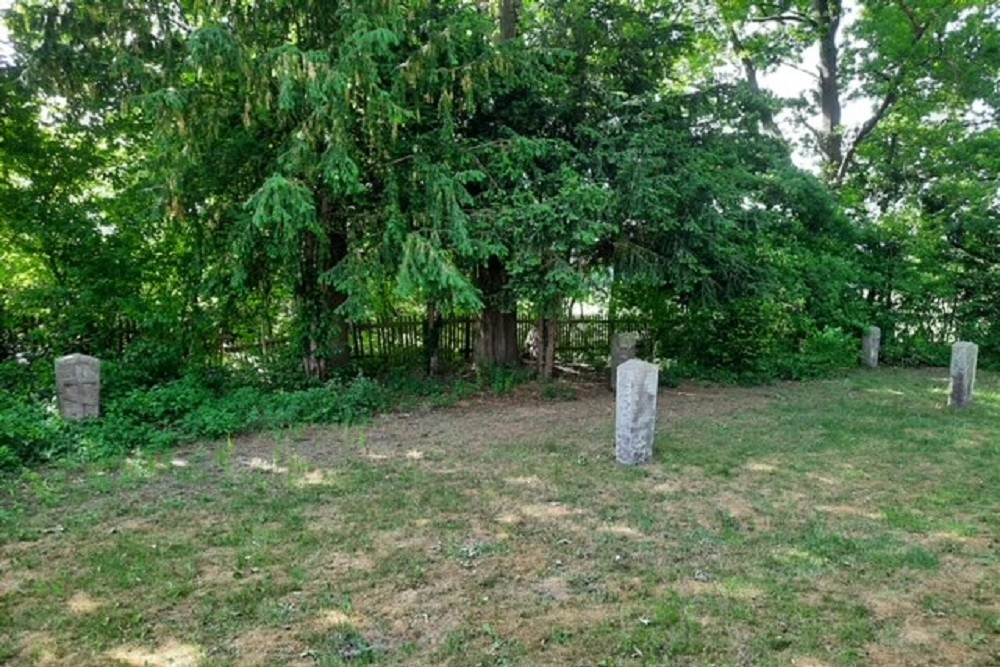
<point>5,48</point>
<point>786,81</point>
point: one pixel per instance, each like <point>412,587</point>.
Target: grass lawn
<point>846,522</point>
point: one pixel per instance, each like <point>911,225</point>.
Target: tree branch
<point>919,31</point>
<point>864,132</point>
<point>767,118</point>
<point>910,16</point>
<point>815,131</point>
<point>789,17</point>
<point>799,68</point>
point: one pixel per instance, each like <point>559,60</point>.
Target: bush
<point>30,432</point>
<point>501,379</point>
<point>362,398</point>
<point>175,412</point>
<point>31,379</point>
<point>149,361</point>
<point>741,340</point>
<point>917,351</point>
<point>160,405</point>
<point>823,353</point>
<point>116,434</point>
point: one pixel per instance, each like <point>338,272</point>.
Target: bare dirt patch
<point>677,486</point>
<point>9,581</point>
<point>258,463</point>
<point>41,649</point>
<point>925,636</point>
<point>737,507</point>
<point>530,481</point>
<point>538,511</point>
<point>81,604</point>
<point>553,588</point>
<point>425,614</point>
<point>315,478</point>
<point>975,543</point>
<point>262,646</point>
<point>217,567</point>
<point>332,619</point>
<point>484,422</point>
<point>623,531</point>
<point>169,654</point>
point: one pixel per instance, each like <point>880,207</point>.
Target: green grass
<point>845,522</point>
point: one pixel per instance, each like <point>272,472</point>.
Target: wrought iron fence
<point>581,336</point>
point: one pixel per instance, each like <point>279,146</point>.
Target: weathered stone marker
<point>869,346</point>
<point>963,374</point>
<point>78,386</point>
<point>622,349</point>
<point>635,411</point>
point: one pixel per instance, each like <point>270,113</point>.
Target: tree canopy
<point>178,176</point>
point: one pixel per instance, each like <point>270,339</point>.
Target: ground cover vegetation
<point>836,522</point>
<point>181,180</point>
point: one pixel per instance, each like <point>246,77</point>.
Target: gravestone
<point>963,374</point>
<point>622,349</point>
<point>870,346</point>
<point>78,386</point>
<point>635,411</point>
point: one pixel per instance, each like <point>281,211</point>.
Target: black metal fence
<point>578,337</point>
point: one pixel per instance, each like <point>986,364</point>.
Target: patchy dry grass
<point>845,522</point>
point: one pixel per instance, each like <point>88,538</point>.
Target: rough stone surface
<point>870,346</point>
<point>78,386</point>
<point>963,374</point>
<point>635,412</point>
<point>622,349</point>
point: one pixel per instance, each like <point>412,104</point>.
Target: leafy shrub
<point>149,361</point>
<point>9,460</point>
<point>30,432</point>
<point>500,379</point>
<point>237,412</point>
<point>331,403</point>
<point>116,434</point>
<point>739,340</point>
<point>917,351</point>
<point>161,405</point>
<point>823,353</point>
<point>21,378</point>
<point>175,412</point>
<point>362,398</point>
<point>671,373</point>
<point>278,370</point>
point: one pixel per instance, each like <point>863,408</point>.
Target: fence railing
<point>386,338</point>
<point>577,336</point>
<point>580,336</point>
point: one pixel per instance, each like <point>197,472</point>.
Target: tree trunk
<point>432,338</point>
<point>497,344</point>
<point>548,331</point>
<point>539,335</point>
<point>828,13</point>
<point>750,70</point>
<point>510,12</point>
<point>324,331</point>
